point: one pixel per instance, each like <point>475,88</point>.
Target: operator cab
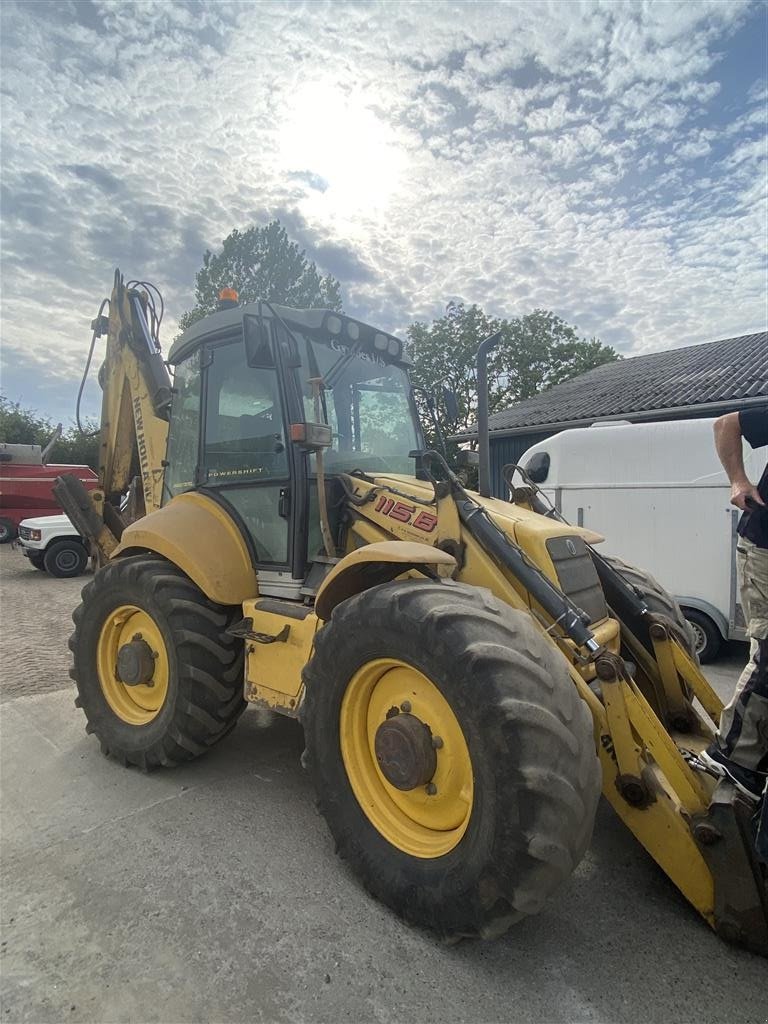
<point>245,410</point>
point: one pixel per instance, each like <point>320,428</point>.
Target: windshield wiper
<point>340,365</point>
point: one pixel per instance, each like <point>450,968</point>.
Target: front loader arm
<point>133,433</point>
<point>652,709</point>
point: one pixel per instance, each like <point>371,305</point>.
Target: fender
<point>373,564</point>
<point>198,536</point>
<point>709,609</point>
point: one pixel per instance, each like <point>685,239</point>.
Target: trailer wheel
<point>65,558</point>
<point>452,757</point>
<point>8,531</point>
<point>707,639</point>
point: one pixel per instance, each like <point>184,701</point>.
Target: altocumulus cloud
<point>606,161</point>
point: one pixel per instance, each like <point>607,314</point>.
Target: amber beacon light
<point>228,298</point>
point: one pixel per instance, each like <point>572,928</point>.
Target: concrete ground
<point>212,892</point>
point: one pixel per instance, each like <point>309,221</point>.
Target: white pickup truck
<point>53,545</point>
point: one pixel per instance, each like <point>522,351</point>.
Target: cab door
<point>245,460</point>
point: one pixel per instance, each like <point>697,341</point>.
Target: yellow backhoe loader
<point>469,672</point>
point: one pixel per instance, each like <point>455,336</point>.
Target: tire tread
<point>533,722</point>
<point>209,664</point>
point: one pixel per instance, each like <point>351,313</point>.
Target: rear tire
<point>535,777</point>
<point>203,684</point>
<point>8,531</point>
<point>707,637</point>
<point>65,559</point>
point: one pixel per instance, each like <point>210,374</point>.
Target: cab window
<point>184,430</point>
<point>244,434</point>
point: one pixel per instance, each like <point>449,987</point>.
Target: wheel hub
<point>405,752</point>
<point>700,639</point>
<point>135,663</point>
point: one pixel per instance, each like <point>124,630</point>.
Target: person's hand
<point>744,491</point>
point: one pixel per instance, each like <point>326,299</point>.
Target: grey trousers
<point>743,732</point>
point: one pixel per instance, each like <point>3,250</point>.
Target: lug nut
<point>137,636</point>
<point>431,788</point>
<point>406,706</point>
<point>437,742</point>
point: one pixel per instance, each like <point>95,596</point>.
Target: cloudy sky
<point>604,160</point>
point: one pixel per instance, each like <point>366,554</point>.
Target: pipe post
<point>484,450</point>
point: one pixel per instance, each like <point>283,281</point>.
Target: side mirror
<point>538,467</point>
<point>258,342</point>
<point>451,404</point>
<point>466,458</point>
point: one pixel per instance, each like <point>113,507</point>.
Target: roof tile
<point>718,371</point>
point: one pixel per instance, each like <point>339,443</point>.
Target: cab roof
<point>223,321</point>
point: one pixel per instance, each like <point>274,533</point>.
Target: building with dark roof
<point>684,383</point>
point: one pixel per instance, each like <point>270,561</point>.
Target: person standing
<point>739,751</point>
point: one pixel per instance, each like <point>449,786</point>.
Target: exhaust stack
<point>484,451</point>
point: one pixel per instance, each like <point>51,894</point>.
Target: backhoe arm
<point>133,433</point>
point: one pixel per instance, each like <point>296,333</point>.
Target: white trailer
<point>659,496</point>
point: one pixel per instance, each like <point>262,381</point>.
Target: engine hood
<point>507,516</point>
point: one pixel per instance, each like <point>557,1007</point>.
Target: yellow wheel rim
<point>136,705</point>
<point>421,823</point>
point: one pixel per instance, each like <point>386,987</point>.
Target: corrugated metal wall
<point>509,449</point>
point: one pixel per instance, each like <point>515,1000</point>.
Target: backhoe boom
<point>135,411</point>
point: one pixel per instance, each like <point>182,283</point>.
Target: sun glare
<point>348,154</point>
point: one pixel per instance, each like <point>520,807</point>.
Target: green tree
<point>261,263</point>
<point>536,351</point>
<point>22,426</point>
<point>26,426</point>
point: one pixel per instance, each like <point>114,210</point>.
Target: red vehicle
<point>26,484</point>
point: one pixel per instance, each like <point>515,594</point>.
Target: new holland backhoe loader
<point>469,672</point>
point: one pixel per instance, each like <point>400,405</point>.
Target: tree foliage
<point>26,426</point>
<point>261,263</point>
<point>536,351</point>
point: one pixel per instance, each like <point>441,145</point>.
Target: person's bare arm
<point>728,447</point>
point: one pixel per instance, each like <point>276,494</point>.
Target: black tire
<point>36,560</point>
<point>8,531</point>
<point>707,637</point>
<point>65,559</point>
<point>658,600</point>
<point>205,689</point>
<point>530,740</point>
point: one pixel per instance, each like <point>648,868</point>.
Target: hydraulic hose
<point>555,603</point>
<point>572,620</point>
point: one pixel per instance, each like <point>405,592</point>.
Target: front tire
<point>65,559</point>
<point>659,601</point>
<point>517,779</point>
<point>142,617</point>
